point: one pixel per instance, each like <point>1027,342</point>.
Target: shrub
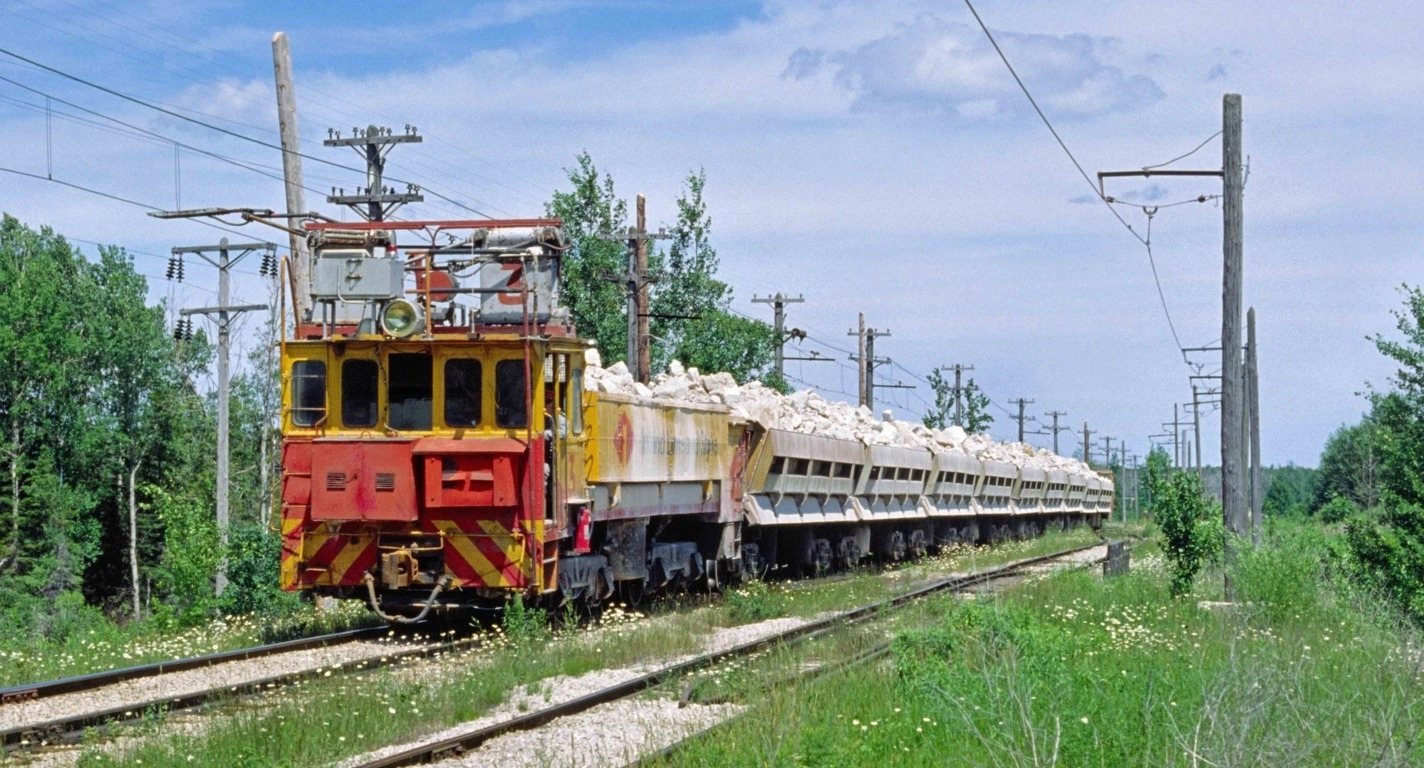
<point>1338,509</point>
<point>1388,556</point>
<point>185,572</point>
<point>523,623</point>
<point>1282,578</point>
<point>1190,536</point>
<point>753,601</point>
<point>253,572</point>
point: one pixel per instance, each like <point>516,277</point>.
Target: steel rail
<point>870,654</point>
<point>457,745</point>
<point>79,683</point>
<point>70,728</point>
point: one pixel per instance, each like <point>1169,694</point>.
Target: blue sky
<point>874,157</point>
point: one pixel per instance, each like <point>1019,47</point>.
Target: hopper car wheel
<point>848,554</point>
<point>632,592</point>
<point>821,557</point>
<point>752,562</point>
<point>897,545</point>
<point>918,543</point>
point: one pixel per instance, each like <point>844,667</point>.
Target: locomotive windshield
<point>463,391</point>
<point>308,392</point>
<point>510,401</point>
<point>358,393</point>
<point>408,396</point>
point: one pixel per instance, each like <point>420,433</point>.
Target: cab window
<point>575,406</point>
<point>463,389</point>
<point>510,400</point>
<point>358,393</point>
<point>308,392</point>
<point>409,391</point>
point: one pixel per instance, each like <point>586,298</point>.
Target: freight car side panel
<point>636,441</point>
<point>798,479</point>
<point>650,458</point>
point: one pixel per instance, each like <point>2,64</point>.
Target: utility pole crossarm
<point>635,282</point>
<point>373,144</point>
<point>1147,173</point>
<point>778,303</point>
<point>218,310</point>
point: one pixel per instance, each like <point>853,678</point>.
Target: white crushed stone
<point>557,690</point>
<point>1069,561</point>
<point>612,735</point>
<point>234,673</point>
<point>807,412</point>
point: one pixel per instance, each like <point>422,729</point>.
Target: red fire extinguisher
<point>583,533</point>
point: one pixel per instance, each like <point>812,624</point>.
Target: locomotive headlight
<point>401,318</point>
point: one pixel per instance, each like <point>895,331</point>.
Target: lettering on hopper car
<point>623,439</point>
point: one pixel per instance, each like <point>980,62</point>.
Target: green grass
<point>1074,670</point>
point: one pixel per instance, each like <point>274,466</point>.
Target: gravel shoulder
<point>135,692</point>
<point>557,690</point>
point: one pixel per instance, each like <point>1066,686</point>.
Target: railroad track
<point>68,728</point>
<point>456,746</point>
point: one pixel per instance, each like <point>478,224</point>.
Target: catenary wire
<point>1182,157</point>
<point>1046,121</point>
<point>219,129</point>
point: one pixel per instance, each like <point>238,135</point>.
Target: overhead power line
<point>1184,156</point>
<point>111,196</point>
<point>1047,123</point>
<point>219,129</point>
<point>152,134</point>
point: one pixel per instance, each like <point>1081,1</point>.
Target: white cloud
<point>931,65</point>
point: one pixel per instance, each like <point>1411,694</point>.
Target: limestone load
<point>807,412</point>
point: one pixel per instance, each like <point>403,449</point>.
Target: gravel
<point>136,692</point>
<point>557,690</point>
<point>613,734</point>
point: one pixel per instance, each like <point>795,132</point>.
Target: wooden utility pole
<point>1233,491</point>
<point>778,304</point>
<point>860,358</point>
<point>223,315</point>
<point>1107,451</point>
<point>1234,509</point>
<point>959,392</point>
<point>1196,430</point>
<point>640,266</point>
<point>635,284</point>
<point>292,171</point>
<point>869,362</point>
<point>1087,445</point>
<point>1021,418</point>
<point>1253,403</point>
<point>1177,433</point>
<point>1056,429</point>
